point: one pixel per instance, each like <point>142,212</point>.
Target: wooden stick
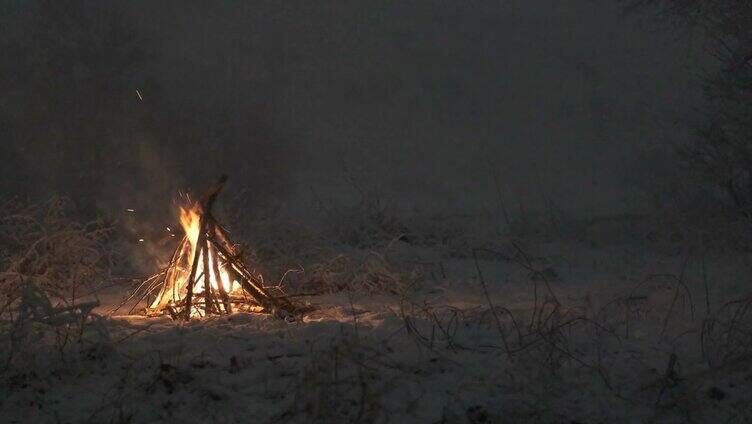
<point>206,204</point>
<point>210,196</point>
<point>224,238</point>
<point>221,241</point>
<point>218,277</point>
<point>253,286</point>
<point>192,276</point>
<point>257,291</point>
<point>208,301</point>
<point>228,250</point>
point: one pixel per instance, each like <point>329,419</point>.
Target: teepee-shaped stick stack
<point>206,275</point>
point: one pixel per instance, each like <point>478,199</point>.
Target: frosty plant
<point>44,246</point>
<point>206,274</point>
<point>49,264</point>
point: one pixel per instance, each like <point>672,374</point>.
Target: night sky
<point>421,100</point>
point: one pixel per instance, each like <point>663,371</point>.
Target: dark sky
<point>420,95</point>
<point>420,98</point>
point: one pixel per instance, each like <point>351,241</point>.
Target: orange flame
<point>190,219</point>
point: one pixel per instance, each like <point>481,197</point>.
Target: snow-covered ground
<point>563,333</point>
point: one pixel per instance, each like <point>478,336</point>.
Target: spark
<point>168,228</point>
<point>139,95</point>
<point>130,210</point>
<point>140,240</point>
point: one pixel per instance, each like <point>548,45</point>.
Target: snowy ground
<point>569,334</point>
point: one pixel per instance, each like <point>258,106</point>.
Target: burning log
<point>206,275</point>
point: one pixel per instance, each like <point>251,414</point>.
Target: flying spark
<point>139,95</point>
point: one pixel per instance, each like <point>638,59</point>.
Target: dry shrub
<point>326,276</point>
<point>39,331</point>
<point>371,273</point>
<point>727,334</point>
<point>48,261</point>
<point>302,262</point>
<point>375,274</point>
<point>44,246</point>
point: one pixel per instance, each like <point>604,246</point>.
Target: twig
<point>490,304</point>
<point>668,378</point>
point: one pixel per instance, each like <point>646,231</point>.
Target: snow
<point>431,354</point>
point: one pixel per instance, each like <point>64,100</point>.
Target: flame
<point>176,283</point>
<point>190,220</point>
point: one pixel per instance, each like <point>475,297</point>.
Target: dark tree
<point>723,150</point>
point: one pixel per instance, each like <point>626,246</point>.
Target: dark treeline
<point>720,154</point>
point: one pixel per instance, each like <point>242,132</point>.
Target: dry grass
<point>727,334</point>
<point>48,261</point>
<point>370,273</point>
<point>552,343</point>
<point>44,246</point>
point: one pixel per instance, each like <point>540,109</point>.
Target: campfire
<point>206,274</point>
